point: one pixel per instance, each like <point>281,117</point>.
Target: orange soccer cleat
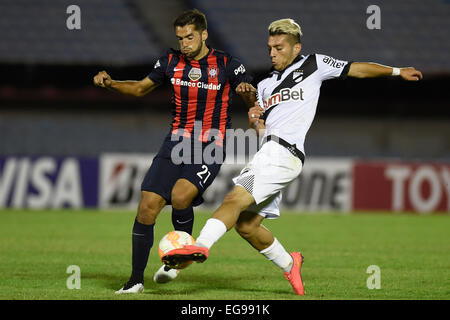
<point>294,276</point>
<point>178,257</point>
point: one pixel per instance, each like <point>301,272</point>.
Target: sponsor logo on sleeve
<point>240,69</point>
<point>333,62</point>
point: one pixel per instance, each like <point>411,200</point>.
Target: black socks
<point>142,242</point>
<point>143,238</point>
<point>183,220</point>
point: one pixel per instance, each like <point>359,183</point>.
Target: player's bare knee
<point>180,201</point>
<point>231,198</point>
<point>245,230</point>
<point>235,200</point>
<point>147,212</point>
<point>183,193</point>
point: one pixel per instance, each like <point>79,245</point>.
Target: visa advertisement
<point>48,182</point>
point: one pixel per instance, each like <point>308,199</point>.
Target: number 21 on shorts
<point>204,174</point>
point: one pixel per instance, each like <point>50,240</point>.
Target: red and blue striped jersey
<point>202,90</point>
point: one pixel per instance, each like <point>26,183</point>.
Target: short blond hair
<point>286,26</point>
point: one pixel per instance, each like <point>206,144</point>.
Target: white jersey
<point>290,97</point>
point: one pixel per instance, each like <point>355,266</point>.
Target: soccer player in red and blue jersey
<point>203,80</point>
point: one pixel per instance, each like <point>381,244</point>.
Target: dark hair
<point>194,16</point>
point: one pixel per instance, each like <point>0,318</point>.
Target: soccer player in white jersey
<point>286,104</point>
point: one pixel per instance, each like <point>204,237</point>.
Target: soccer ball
<point>174,240</point>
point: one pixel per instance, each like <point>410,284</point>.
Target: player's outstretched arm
<point>375,70</point>
<point>247,93</point>
<point>129,87</point>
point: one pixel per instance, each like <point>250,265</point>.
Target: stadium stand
<point>413,32</point>
<point>158,16</point>
<point>35,32</point>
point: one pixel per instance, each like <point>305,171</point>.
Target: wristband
<point>395,71</point>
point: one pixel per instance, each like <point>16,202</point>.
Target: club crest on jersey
<point>212,72</point>
<point>297,75</point>
<point>195,74</point>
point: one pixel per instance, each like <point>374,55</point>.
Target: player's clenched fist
<point>254,113</point>
<point>247,92</point>
<point>410,74</point>
<point>245,87</point>
<point>102,79</point>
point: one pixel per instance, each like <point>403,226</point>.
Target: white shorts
<point>272,168</point>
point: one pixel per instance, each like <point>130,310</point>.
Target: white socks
<point>213,230</point>
<point>278,255</point>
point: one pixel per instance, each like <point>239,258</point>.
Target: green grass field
<point>412,252</point>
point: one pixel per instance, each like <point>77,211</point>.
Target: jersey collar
<point>280,73</point>
<point>210,50</point>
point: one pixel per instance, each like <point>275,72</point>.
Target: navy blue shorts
<point>164,172</point>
